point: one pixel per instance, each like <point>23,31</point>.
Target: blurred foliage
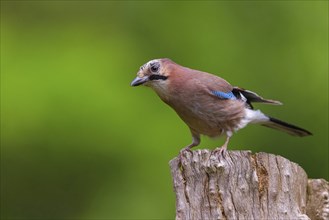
<point>78,142</point>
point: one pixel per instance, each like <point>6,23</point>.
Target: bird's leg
<point>195,142</point>
<point>223,149</point>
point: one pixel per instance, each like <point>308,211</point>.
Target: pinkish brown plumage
<point>208,104</point>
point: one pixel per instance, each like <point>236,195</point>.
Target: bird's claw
<point>182,151</point>
<point>220,152</point>
<point>185,149</point>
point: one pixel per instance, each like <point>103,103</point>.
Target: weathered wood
<point>243,185</point>
<point>318,199</point>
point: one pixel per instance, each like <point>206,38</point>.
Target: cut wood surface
<point>243,185</point>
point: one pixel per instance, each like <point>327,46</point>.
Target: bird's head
<point>153,74</point>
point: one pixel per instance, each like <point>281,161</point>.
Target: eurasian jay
<point>208,104</point>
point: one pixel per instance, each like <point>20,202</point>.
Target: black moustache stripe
<point>156,77</point>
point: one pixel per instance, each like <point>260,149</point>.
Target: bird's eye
<point>155,67</point>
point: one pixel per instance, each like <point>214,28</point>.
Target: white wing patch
<point>244,99</point>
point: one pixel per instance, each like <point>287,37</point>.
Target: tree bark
<point>243,185</point>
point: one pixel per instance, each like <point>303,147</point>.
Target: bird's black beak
<point>139,81</point>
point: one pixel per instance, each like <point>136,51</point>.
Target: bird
<point>207,103</point>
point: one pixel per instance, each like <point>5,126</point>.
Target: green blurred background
<point>77,142</point>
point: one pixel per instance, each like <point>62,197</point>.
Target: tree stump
<point>243,185</point>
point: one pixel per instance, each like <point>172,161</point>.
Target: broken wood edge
<point>318,199</point>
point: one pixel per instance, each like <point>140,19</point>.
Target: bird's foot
<point>220,152</point>
<point>185,149</point>
<point>188,149</point>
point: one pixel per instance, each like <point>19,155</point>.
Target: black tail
<point>286,127</point>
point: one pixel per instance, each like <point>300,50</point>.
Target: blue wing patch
<point>224,95</point>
